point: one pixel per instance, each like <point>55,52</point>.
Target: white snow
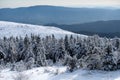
<point>58,73</point>
<point>18,29</point>
<point>48,73</point>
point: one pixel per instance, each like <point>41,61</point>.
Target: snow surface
<point>18,29</point>
<point>58,73</point>
<point>48,73</point>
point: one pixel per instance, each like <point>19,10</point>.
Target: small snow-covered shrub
<point>57,72</point>
<point>72,64</point>
<point>21,76</point>
<point>19,66</point>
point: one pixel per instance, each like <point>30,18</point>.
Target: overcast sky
<point>68,3</point>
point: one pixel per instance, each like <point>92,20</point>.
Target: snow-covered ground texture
<point>8,29</point>
<point>58,73</point>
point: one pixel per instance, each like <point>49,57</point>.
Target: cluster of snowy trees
<point>91,52</point>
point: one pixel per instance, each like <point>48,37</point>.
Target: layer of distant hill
<point>109,28</point>
<point>59,15</point>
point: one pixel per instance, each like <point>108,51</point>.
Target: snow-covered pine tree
<point>40,53</point>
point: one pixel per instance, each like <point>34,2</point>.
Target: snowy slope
<point>17,29</point>
<point>58,73</point>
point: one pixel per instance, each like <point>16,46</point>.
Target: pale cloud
<point>78,3</point>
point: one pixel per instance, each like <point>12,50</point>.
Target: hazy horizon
<point>65,3</point>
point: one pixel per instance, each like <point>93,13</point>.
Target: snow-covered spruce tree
<point>23,52</point>
<point>80,50</point>
<point>72,45</point>
<point>108,58</point>
<point>54,48</point>
<point>20,47</point>
<point>67,43</point>
<point>60,51</point>
<point>40,53</point>
<point>117,57</point>
<point>116,42</point>
<point>51,47</point>
<point>2,55</point>
<point>13,50</point>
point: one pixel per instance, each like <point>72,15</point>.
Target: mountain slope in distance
<point>110,28</point>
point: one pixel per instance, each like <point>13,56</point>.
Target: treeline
<point>91,52</point>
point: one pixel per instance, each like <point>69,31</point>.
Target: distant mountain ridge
<point>59,15</point>
<point>109,28</point>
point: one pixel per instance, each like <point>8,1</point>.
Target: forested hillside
<point>92,53</point>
